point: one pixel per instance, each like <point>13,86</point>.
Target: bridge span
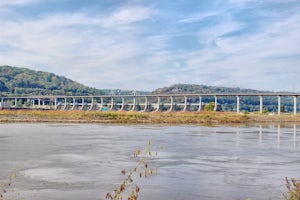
<point>143,103</point>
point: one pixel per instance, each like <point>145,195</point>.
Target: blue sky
<point>144,45</point>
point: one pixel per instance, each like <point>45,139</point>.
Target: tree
<point>209,107</point>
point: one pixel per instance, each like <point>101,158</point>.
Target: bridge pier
<point>158,104</point>
<point>216,103</point>
<point>82,104</point>
<point>122,104</point>
<point>75,104</point>
<point>295,105</point>
<point>171,104</point>
<point>133,103</point>
<point>32,103</point>
<point>39,103</point>
<point>279,104</point>
<point>260,104</point>
<point>101,103</point>
<point>185,104</point>
<point>146,105</point>
<point>111,103</point>
<point>238,104</point>
<point>55,103</point>
<point>200,104</point>
<point>92,104</point>
<point>65,104</point>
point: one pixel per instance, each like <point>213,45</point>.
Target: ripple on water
<point>53,174</point>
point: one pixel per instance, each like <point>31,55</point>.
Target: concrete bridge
<point>144,103</point>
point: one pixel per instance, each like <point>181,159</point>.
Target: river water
<point>84,161</point>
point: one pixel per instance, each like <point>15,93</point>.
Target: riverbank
<point>139,117</point>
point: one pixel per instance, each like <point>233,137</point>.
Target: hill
<point>23,81</point>
<point>200,89</point>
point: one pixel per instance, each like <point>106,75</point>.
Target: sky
<point>148,44</point>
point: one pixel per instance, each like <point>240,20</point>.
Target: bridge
<point>143,103</point>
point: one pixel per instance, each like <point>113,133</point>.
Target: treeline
<point>201,89</point>
<point>23,81</point>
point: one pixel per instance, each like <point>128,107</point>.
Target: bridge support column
<point>295,105</point>
<point>260,104</point>
<point>146,104</point>
<point>185,104</point>
<point>39,103</point>
<point>171,104</point>
<point>92,104</point>
<point>65,106</point>
<point>74,104</point>
<point>2,103</point>
<point>55,103</point>
<point>111,104</point>
<point>238,104</point>
<point>101,103</point>
<point>123,104</point>
<point>200,104</point>
<point>133,103</point>
<point>32,103</point>
<point>82,104</point>
<point>158,104</point>
<point>16,102</point>
<point>279,105</point>
<point>216,103</point>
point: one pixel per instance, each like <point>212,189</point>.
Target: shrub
<point>293,188</point>
<point>142,170</point>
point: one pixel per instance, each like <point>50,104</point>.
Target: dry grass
<point>139,117</point>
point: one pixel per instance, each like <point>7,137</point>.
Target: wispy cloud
<point>16,2</point>
<point>134,45</point>
<point>198,17</point>
<point>126,15</point>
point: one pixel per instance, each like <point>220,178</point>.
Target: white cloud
<point>134,47</point>
<point>197,17</point>
<point>126,15</point>
<point>82,48</point>
<point>276,39</point>
<point>16,2</point>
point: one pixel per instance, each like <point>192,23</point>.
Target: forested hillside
<point>200,89</point>
<point>23,81</point>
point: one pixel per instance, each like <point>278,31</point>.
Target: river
<point>84,161</point>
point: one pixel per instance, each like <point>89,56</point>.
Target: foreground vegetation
<point>293,189</point>
<point>129,189</point>
<point>140,117</point>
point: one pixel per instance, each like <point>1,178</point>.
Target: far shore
<point>73,116</point>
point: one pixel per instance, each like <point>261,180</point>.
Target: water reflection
<point>279,133</point>
<point>295,138</point>
<point>237,137</point>
<point>260,134</point>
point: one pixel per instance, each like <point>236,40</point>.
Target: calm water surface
<point>84,161</point>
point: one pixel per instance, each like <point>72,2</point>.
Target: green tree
<point>265,111</point>
<point>209,107</point>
